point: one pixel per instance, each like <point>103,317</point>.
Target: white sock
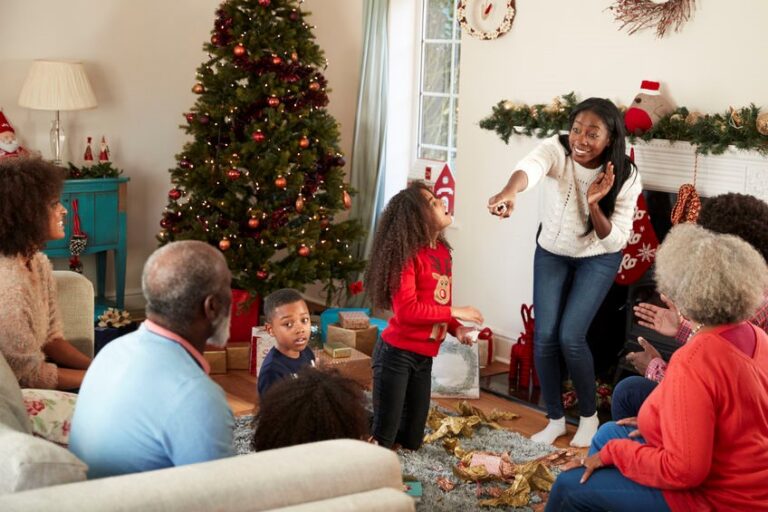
<point>586,431</point>
<point>553,430</point>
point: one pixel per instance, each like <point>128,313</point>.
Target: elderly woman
<point>30,329</point>
<point>702,442</point>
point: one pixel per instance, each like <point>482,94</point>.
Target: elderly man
<point>147,402</point>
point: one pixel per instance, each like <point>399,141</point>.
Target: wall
<point>711,64</point>
<point>141,57</point>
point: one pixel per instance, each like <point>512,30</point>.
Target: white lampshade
<point>57,85</point>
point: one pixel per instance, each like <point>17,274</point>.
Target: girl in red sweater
<point>409,272</point>
<point>702,438</point>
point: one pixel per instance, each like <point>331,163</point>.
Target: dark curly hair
<point>280,298</point>
<point>28,185</point>
<point>406,225</point>
<point>318,405</point>
<point>738,214</point>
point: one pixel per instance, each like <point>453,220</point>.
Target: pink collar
<point>165,333</point>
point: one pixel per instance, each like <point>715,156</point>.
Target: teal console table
<point>102,208</point>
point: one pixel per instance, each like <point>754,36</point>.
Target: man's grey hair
<point>179,276</point>
<point>713,279</point>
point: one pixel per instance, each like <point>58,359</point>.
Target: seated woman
<point>31,336</point>
<point>318,405</point>
<point>702,438</point>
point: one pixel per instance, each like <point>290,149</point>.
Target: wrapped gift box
<point>356,367</point>
<point>238,356</point>
<point>354,320</point>
<point>337,350</point>
<point>360,339</point>
<point>217,359</point>
<point>261,343</point>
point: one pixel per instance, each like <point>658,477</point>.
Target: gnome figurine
<point>9,145</point>
<point>647,108</point>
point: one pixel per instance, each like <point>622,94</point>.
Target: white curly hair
<point>713,279</point>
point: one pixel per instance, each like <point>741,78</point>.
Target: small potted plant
<point>112,324</point>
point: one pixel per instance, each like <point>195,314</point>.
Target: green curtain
<point>368,145</point>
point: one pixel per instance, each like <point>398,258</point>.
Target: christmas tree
<point>263,178</point>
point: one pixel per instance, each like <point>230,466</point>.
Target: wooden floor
<point>240,388</point>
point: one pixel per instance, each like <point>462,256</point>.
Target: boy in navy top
<point>287,319</point>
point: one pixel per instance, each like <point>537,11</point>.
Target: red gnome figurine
<point>521,368</point>
<point>647,108</point>
<point>9,145</point>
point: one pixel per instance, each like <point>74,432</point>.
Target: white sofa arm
<point>316,472</point>
<point>76,307</point>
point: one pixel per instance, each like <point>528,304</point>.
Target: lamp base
<point>58,141</point>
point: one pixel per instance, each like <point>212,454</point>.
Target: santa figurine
<point>104,151</point>
<point>9,146</point>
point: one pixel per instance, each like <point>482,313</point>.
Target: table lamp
<point>57,85</point>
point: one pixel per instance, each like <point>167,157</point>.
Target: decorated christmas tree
<point>263,178</point>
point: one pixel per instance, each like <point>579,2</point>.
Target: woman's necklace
<point>695,330</point>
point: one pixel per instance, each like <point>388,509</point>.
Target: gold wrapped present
<point>337,350</point>
<point>238,355</point>
<point>359,339</point>
<point>217,359</point>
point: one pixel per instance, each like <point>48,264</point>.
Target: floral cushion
<point>50,413</point>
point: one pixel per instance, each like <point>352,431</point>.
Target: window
<point>439,81</point>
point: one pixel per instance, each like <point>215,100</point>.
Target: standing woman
<point>590,196</point>
<point>31,336</point>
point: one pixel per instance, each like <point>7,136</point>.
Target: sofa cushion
<point>27,462</point>
<point>12,411</point>
<point>50,413</point>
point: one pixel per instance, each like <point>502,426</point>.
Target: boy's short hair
<point>280,298</point>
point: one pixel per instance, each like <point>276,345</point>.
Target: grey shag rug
<point>432,461</point>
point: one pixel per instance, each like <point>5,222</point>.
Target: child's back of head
<point>316,406</point>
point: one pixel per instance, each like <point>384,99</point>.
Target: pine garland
<point>710,133</point>
<point>99,170</point>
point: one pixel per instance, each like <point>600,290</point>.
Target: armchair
<point>76,307</point>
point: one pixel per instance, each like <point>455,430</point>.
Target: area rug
<point>432,462</point>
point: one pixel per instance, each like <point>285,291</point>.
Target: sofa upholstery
<point>76,309</point>
<point>339,475</point>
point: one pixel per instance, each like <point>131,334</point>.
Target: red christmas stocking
<point>640,251</point>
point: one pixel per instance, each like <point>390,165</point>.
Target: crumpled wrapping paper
<point>443,425</point>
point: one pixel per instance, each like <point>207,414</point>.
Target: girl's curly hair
<point>738,214</point>
<point>406,225</point>
<point>317,406</point>
<point>28,185</point>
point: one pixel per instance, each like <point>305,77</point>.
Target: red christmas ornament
<point>347,200</point>
<point>294,56</point>
<point>294,16</point>
<point>265,3</point>
<point>314,86</point>
<point>276,60</point>
<point>273,101</point>
<point>258,136</point>
<point>224,244</point>
<point>300,204</point>
<point>281,182</point>
<point>304,142</point>
<point>239,50</point>
<point>184,163</point>
<point>262,274</point>
<point>324,222</point>
<point>215,39</point>
<point>253,223</point>
<point>303,251</point>
<point>165,223</point>
<point>174,194</point>
<point>198,88</point>
<point>233,174</point>
<point>203,119</point>
<point>190,116</point>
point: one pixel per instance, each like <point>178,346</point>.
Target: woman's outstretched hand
<point>665,321</point>
<point>502,204</point>
<point>602,185</point>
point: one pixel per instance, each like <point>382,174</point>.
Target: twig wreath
<point>664,14</point>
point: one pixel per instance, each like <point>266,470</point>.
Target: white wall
<point>141,57</point>
<point>558,47</point>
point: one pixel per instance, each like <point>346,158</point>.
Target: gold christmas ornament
<point>762,123</point>
<point>676,118</point>
<point>224,244</point>
<point>198,88</point>
<point>347,200</point>
<point>693,117</point>
<point>508,105</point>
<point>299,204</point>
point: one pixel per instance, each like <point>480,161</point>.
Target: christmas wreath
<point>504,26</point>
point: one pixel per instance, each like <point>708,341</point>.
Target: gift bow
<point>485,334</point>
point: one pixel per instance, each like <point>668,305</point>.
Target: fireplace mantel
<point>664,167</point>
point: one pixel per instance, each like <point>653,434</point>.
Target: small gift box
<point>354,319</point>
<point>360,339</point>
<point>261,343</point>
<point>112,324</point>
<point>238,355</point>
<point>217,359</point>
<point>337,350</point>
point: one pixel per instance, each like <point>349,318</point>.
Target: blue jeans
<point>607,489</point>
<point>402,383</point>
<point>567,292</point>
<point>629,395</point>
